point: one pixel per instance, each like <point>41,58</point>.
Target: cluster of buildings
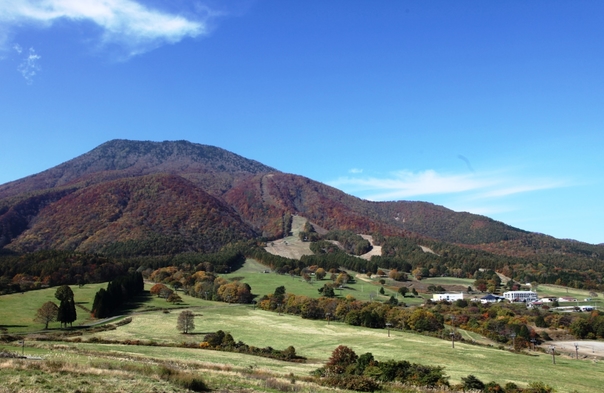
<point>528,297</point>
<point>511,296</point>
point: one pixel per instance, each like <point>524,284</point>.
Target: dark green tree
<point>540,322</point>
<point>64,292</point>
<point>327,291</point>
<point>279,294</point>
<point>471,383</point>
<point>66,313</point>
<point>101,307</point>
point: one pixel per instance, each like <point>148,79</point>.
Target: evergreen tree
<point>64,292</point>
<point>100,307</point>
<point>472,383</point>
<point>66,313</point>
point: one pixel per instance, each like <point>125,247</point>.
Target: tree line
<point>118,292</point>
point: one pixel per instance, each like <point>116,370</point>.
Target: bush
<point>471,382</point>
<point>493,387</point>
<point>538,387</point>
<point>359,383</point>
<point>184,380</point>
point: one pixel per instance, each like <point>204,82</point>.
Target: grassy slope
<point>18,310</point>
<point>316,340</point>
<point>313,339</point>
<point>265,283</point>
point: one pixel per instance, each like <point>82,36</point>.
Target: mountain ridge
<point>242,198</point>
<point>123,158</point>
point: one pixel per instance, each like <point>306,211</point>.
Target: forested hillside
<point>158,200</point>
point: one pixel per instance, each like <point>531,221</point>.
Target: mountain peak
<point>120,158</point>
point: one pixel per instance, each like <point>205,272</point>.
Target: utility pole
<point>453,331</point>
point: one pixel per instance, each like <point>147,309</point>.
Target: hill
<point>133,198</point>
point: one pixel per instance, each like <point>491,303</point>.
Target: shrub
<point>273,383</point>
<point>493,387</point>
<point>184,380</point>
<point>359,383</point>
<point>538,387</point>
<point>471,382</point>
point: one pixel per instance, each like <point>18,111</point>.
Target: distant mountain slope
<point>211,167</point>
<point>153,208</point>
<point>263,199</point>
<point>129,197</point>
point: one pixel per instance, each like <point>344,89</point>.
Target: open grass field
<point>312,339</point>
<point>317,339</point>
<point>18,310</point>
<point>262,284</point>
<point>462,282</point>
<point>579,294</point>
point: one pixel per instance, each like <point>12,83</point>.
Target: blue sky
<point>494,108</point>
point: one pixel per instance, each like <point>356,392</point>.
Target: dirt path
<point>291,246</point>
<point>587,349</point>
<point>428,250</point>
<point>376,250</point>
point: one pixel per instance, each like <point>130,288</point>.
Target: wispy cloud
<point>466,188</point>
<point>355,170</point>
<point>504,190</point>
<point>134,27</point>
<point>405,184</point>
<point>29,67</point>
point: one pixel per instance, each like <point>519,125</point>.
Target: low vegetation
<point>153,340</point>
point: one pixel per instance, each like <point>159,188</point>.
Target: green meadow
<point>312,339</point>
<point>18,310</point>
<point>317,339</point>
<point>465,282</point>
<point>154,320</point>
<point>362,288</point>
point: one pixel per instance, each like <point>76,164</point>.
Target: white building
<point>450,297</point>
<point>521,296</point>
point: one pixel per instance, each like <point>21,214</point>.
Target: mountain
<point>132,197</point>
<point>209,167</point>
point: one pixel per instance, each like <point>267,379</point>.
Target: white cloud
<point>472,187</point>
<point>29,67</point>
<point>132,26</point>
<point>405,184</point>
<point>355,170</point>
<point>517,189</point>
